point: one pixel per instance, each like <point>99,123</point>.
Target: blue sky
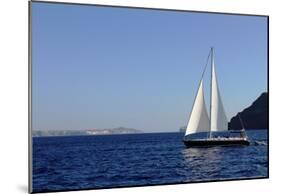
<point>103,67</point>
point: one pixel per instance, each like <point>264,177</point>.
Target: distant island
<point>110,131</point>
<point>182,129</point>
<point>254,117</point>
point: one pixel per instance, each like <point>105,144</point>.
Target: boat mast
<point>212,63</point>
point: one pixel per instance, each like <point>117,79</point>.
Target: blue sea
<point>105,161</point>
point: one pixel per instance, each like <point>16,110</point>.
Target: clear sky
<point>103,67</point>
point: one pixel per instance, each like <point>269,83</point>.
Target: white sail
<point>199,119</point>
<point>218,117</point>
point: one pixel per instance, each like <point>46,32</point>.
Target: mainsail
<point>199,119</point>
<point>218,117</point>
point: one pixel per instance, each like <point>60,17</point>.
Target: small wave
<point>259,143</point>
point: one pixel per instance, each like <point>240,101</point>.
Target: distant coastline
<point>110,131</point>
<point>254,117</point>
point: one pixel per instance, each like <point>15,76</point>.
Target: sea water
<point>105,161</point>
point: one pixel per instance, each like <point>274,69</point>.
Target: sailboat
<point>201,123</point>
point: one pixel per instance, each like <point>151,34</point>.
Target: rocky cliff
<point>254,116</point>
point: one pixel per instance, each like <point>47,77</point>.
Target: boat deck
<point>217,141</point>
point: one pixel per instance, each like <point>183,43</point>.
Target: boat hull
<point>215,142</point>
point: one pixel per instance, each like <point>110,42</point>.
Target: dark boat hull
<point>193,143</point>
